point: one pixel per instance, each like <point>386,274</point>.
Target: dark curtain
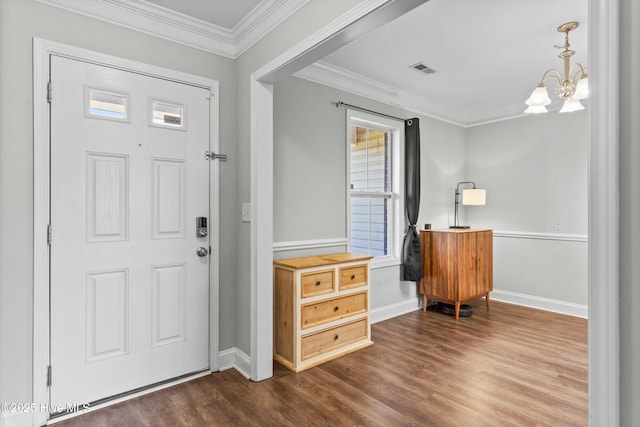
<point>411,252</point>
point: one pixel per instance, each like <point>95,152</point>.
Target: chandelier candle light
<point>572,83</point>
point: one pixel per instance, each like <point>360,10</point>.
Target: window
<point>166,114</point>
<point>105,104</point>
<point>375,215</point>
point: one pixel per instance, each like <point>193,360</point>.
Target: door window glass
<point>106,104</point>
<point>166,114</point>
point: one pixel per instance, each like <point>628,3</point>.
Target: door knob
<point>202,252</point>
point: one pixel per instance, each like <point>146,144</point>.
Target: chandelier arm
<point>556,76</point>
<point>582,71</point>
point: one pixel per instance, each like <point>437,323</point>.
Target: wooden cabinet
<point>457,265</point>
<point>321,308</point>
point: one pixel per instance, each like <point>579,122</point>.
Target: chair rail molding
<point>309,244</point>
<point>541,236</point>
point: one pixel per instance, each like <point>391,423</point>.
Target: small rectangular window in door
<point>167,114</point>
<point>106,104</point>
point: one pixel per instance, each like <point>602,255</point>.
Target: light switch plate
<point>246,212</point>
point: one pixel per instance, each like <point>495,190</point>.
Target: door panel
<point>129,294</point>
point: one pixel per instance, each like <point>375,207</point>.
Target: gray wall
<point>535,172</point>
<point>629,213</point>
<point>20,21</point>
<point>310,186</point>
<point>544,155</point>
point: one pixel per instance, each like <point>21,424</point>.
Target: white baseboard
<point>393,310</point>
<point>547,304</point>
<point>236,359</point>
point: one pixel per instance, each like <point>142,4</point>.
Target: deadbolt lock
<point>201,226</point>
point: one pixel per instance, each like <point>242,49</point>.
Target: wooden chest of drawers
<point>321,308</point>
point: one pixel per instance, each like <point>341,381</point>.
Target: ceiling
<point>223,13</point>
<point>488,55</point>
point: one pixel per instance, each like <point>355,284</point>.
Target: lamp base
<point>460,226</point>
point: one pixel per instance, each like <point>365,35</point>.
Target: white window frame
<point>396,217</point>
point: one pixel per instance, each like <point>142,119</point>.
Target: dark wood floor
<point>511,366</point>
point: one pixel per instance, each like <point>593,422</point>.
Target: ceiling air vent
<point>423,68</point>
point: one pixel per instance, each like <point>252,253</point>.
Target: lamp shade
<point>539,96</point>
<point>582,88</point>
<point>570,105</point>
<point>474,196</point>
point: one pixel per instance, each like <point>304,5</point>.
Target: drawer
<point>330,339</point>
<point>317,283</point>
<point>353,277</point>
<point>333,309</point>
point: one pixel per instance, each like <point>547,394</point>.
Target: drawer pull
<point>353,276</point>
<point>335,338</point>
<point>318,283</point>
<point>336,308</point>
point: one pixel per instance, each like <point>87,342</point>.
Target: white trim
<point>541,236</point>
<point>167,24</point>
<point>41,203</point>
<point>394,310</point>
<point>234,358</point>
<point>540,303</point>
<point>214,228</point>
<point>309,244</point>
<point>261,229</point>
<point>42,49</point>
<point>604,350</point>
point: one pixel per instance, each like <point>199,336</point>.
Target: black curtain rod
<point>342,104</point>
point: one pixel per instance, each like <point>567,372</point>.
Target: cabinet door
<point>467,265</point>
<point>484,250</point>
<point>441,282</point>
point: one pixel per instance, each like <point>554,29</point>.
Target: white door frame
<point>42,49</point>
<point>603,208</point>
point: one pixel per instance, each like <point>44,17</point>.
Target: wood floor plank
<point>510,366</point>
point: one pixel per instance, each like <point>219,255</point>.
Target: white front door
<point>129,287</point>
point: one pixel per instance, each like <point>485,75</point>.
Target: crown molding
<point>261,20</point>
<point>148,18</point>
<point>357,84</point>
<point>342,79</point>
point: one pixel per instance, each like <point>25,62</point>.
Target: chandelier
<point>572,84</point>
